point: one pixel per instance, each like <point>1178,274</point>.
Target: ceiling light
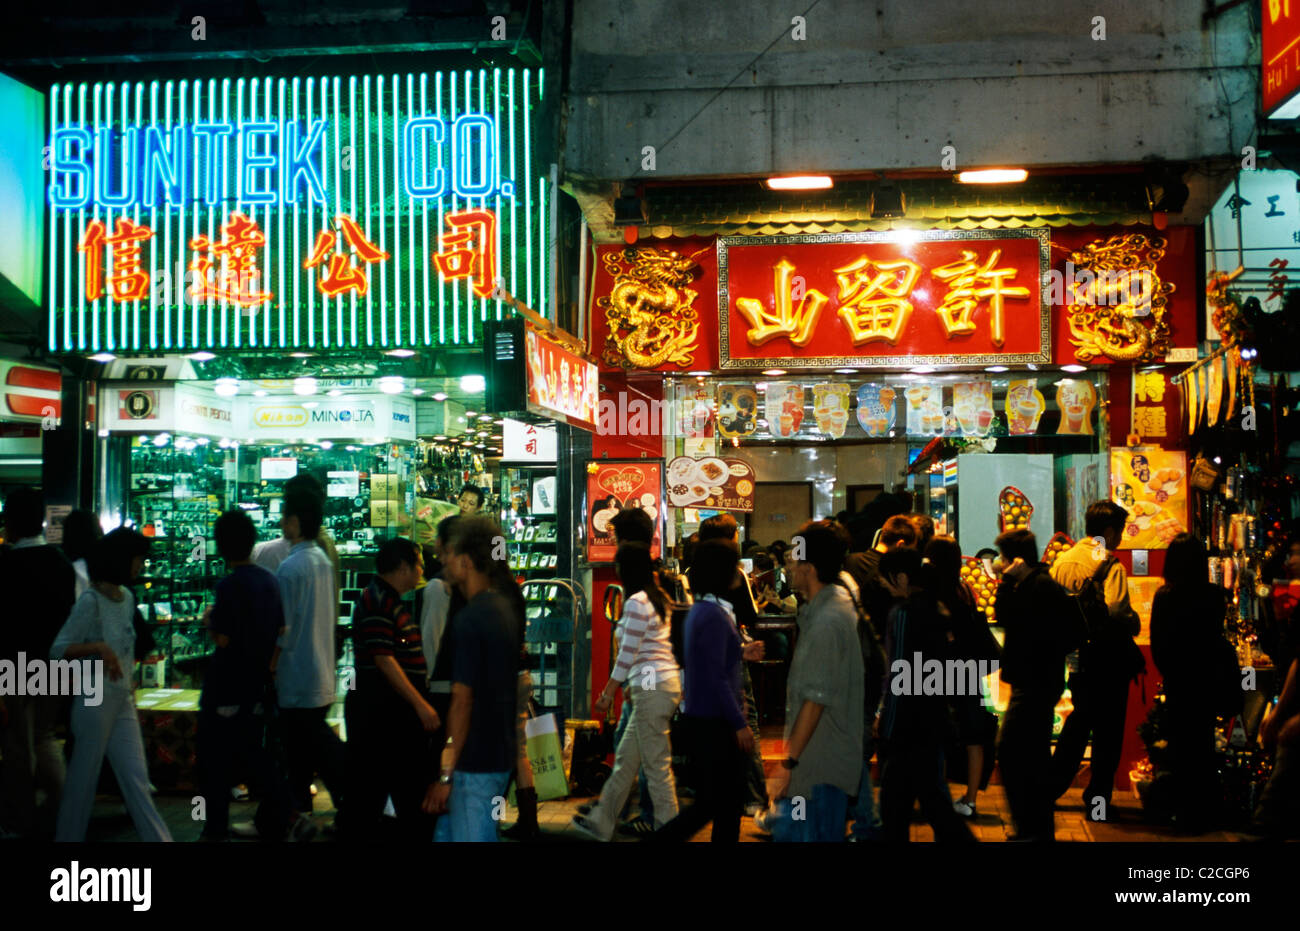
<point>773,372</point>
<point>304,386</point>
<point>326,444</point>
<point>484,416</point>
<point>439,437</point>
<point>401,353</point>
<point>103,357</point>
<point>202,356</point>
<point>300,355</point>
<point>1074,368</point>
<point>259,393</point>
<point>699,373</point>
<point>800,183</point>
<point>922,369</point>
<point>334,392</point>
<point>103,433</point>
<point>311,404</point>
<point>391,384</point>
<point>472,384</point>
<point>467,414</point>
<point>417,391</point>
<point>227,387</point>
<point>996,368</point>
<point>499,422</point>
<point>906,237</point>
<point>847,371</point>
<point>992,176</point>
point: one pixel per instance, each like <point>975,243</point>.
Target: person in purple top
<point>718,737</point>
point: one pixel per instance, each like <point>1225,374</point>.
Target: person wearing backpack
<point>1099,681</point>
<point>1041,628</point>
<point>866,820</point>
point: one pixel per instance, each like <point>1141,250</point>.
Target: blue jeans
<point>866,822</point>
<point>822,820</point>
<point>470,808</point>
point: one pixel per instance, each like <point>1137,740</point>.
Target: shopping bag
<point>546,757</point>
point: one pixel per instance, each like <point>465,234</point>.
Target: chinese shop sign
<point>527,442</point>
<point>614,485</point>
<point>718,484</point>
<point>30,393</point>
<point>866,299</point>
<point>364,211</point>
<point>1280,58</point>
<point>561,384</point>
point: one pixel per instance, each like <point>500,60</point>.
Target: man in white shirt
<point>306,657</point>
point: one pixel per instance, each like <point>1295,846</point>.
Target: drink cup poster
<point>1151,484</point>
<point>831,408</point>
<point>972,404</point>
<point>613,486</point>
<point>737,409</point>
<point>784,408</point>
<point>876,409</point>
<point>1076,399</point>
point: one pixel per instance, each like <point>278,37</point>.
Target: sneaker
<point>303,830</point>
<point>246,830</point>
<point>762,820</point>
<point>583,826</point>
<point>964,808</point>
<point>637,827</point>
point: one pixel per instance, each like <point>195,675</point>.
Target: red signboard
<point>30,393</point>
<point>614,485</point>
<point>1279,55</point>
<point>872,299</point>
<point>561,384</point>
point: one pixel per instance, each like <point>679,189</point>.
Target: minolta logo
<point>358,417</point>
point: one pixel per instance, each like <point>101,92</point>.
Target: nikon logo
<point>279,417</point>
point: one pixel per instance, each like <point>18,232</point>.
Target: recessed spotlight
<point>326,444</point>
<point>401,353</point>
<point>103,357</point>
<point>202,356</point>
<point>391,384</point>
<point>417,391</point>
<point>300,355</point>
<point>847,371</point>
<point>472,384</point>
<point>334,392</point>
<point>1074,368</point>
<point>993,176</point>
<point>439,396</point>
<point>699,373</point>
<point>996,368</point>
<point>310,404</point>
<point>922,369</point>
<point>227,387</point>
<point>774,372</point>
<point>259,393</point>
<point>800,183</point>
<point>304,386</point>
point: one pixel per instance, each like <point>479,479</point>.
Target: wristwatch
<point>445,778</point>
<point>789,762</point>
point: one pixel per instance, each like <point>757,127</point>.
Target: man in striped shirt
<point>389,716</point>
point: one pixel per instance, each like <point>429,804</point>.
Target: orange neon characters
<point>236,282</point>
<point>128,281</point>
<point>968,284</point>
<point>874,298</point>
<point>469,251</point>
<point>797,324</point>
<point>341,274</point>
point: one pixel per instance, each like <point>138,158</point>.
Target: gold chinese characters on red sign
<point>873,299</point>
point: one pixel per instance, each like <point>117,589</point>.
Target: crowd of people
<point>435,712</point>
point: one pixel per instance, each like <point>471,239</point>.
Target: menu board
<point>831,408</point>
<point>612,486</point>
<point>1025,405</point>
<point>737,409</point>
<point>1076,398</point>
<point>876,411</point>
<point>1151,484</point>
<point>972,403</point>
<point>718,484</point>
<point>783,408</point>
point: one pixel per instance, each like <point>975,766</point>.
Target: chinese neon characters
<point>470,251</point>
<point>238,248</point>
<point>128,281</point>
<point>342,274</point>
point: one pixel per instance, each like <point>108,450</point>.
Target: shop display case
<point>528,517</point>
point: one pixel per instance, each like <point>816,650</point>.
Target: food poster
<point>1025,406</point>
<point>1151,484</point>
<point>1076,398</point>
<point>718,484</point>
<point>783,408</point>
<point>831,408</point>
<point>925,415</point>
<point>694,410</point>
<point>737,409</point>
<point>876,410</point>
<point>1141,593</point>
<point>972,404</point>
<point>612,486</point>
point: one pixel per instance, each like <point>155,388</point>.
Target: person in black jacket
<point>1188,647</point>
<point>39,586</point>
<point>1041,628</point>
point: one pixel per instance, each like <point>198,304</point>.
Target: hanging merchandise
<point>831,408</point>
<point>737,409</point>
<point>1076,399</point>
<point>783,408</point>
<point>876,412</point>
<point>972,404</point>
<point>1025,405</point>
<point>1214,379</point>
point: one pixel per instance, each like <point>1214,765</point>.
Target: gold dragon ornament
<point>1118,293</point>
<point>649,311</point>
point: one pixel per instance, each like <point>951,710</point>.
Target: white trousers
<point>110,729</point>
<point>645,745</point>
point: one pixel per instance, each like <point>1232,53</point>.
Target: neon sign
<point>368,211</point>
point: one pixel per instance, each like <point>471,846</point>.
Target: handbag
<point>546,757</point>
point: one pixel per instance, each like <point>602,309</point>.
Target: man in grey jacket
<point>824,697</point>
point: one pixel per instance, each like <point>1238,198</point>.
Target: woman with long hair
<point>101,627</point>
<point>1188,647</point>
<point>971,641</point>
<point>81,531</point>
<point>646,668</point>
